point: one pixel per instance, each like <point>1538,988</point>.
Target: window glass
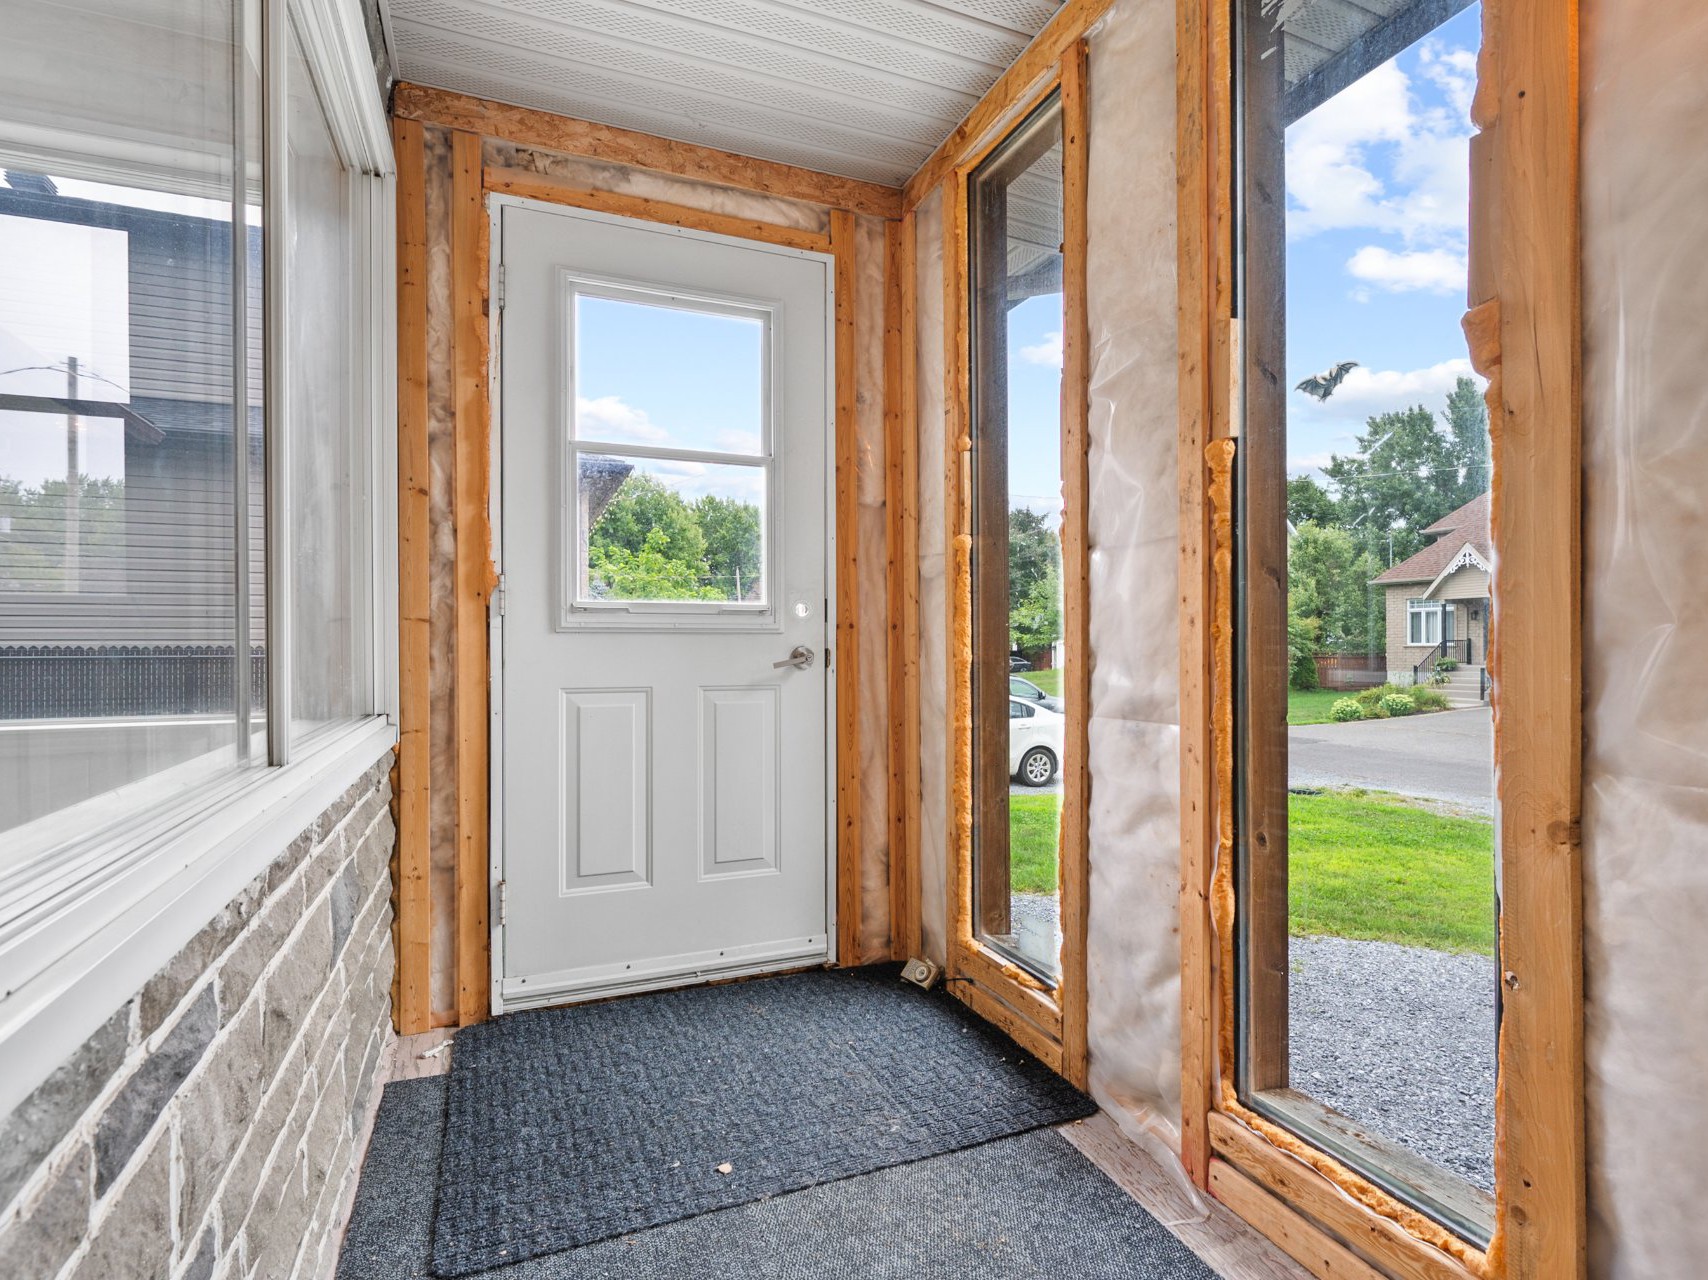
<point>129,489</point>
<point>655,529</point>
<point>711,399</point>
<point>1366,859</point>
<point>672,466</point>
<point>1016,329</point>
<point>331,531</point>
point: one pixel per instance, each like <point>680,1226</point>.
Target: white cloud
<point>610,418</point>
<point>1048,352</point>
<point>1373,391</point>
<point>1437,270</point>
<point>1332,155</point>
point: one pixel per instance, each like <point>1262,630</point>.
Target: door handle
<point>800,656</point>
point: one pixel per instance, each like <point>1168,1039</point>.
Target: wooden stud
<point>539,186</point>
<point>474,574</point>
<point>1204,150</point>
<point>1308,1191</point>
<point>612,145</point>
<point>1038,60</point>
<point>1316,1251</point>
<point>1074,860</point>
<point>414,922</point>
<point>1526,238</point>
<point>1021,991</point>
<point>848,852</point>
<point>902,581</point>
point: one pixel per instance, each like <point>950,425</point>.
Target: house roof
<point>1466,527</point>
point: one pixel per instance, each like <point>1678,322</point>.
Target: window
<point>192,378</point>
<point>1423,622</point>
<point>1367,1001</point>
<point>1015,211</point>
<point>672,474</point>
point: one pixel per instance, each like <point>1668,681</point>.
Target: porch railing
<point>1446,649</point>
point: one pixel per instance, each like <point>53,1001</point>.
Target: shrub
<point>1345,709</point>
<point>1429,699</point>
<point>1398,704</point>
<point>1447,664</point>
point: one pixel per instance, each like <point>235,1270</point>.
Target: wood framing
<point>1204,162</point>
<point>640,150</point>
<point>474,572</point>
<point>1524,331</point>
<point>1054,1016</point>
<point>1316,1251</point>
<point>901,496</point>
<point>1074,857</point>
<point>540,186</point>
<point>412,874</point>
<point>847,656</point>
<point>1525,194</point>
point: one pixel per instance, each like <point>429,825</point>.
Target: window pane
<point>669,376</point>
<point>1366,856</point>
<point>1018,727</point>
<point>128,519</point>
<point>657,529</point>
<point>331,530</point>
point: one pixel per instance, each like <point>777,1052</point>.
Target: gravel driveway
<point>1401,1039</point>
<point>1444,755</point>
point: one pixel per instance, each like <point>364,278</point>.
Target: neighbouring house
<point>1438,603</point>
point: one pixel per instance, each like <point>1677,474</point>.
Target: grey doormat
<point>1022,1208</point>
<point>569,1126</point>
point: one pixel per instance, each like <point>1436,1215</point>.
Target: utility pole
<point>72,576</point>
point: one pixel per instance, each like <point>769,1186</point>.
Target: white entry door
<point>662,804</point>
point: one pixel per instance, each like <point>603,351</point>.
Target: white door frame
<point>496,203</point>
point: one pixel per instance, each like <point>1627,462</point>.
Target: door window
<point>671,454</point>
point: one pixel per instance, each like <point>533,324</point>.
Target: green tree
<point>1409,472</point>
<point>32,554</point>
<point>1301,650</point>
<point>1328,586</point>
<point>1037,623</point>
<point>1308,500</point>
<point>651,573</point>
<point>1034,551</point>
<point>733,543</point>
<point>643,507</point>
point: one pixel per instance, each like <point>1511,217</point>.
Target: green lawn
<point>1369,864</point>
<point>1032,824</point>
<point>1049,681</point>
<point>1311,706</point>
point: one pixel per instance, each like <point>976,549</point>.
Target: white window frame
<point>575,611</point>
<point>1419,614</point>
<point>90,917</point>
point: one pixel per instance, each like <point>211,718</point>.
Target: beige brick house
<point>1438,599</point>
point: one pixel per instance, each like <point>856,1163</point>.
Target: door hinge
<point>501,286</point>
<point>495,605</point>
<point>503,903</point>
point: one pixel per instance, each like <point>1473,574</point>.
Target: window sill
<point>103,941</point>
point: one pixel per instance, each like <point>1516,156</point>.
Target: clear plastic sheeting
<point>1133,944</point>
<point>1645,454</point>
<point>933,582</point>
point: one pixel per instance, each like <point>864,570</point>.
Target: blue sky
<point>1377,205</point>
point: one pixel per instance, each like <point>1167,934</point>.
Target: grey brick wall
<point>209,1128</point>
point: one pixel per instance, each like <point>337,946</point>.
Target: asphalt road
<point>1445,755</point>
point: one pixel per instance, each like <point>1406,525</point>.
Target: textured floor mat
<point>568,1126</point>
<point>1022,1208</point>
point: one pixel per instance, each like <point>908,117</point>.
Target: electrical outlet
<point>922,973</point>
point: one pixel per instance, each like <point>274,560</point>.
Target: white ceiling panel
<point>861,88</point>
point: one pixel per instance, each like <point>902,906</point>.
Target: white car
<point>1035,735</point>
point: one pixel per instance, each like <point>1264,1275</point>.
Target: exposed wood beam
<point>644,151</point>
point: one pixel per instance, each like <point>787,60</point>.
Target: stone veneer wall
<point>209,1128</point>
